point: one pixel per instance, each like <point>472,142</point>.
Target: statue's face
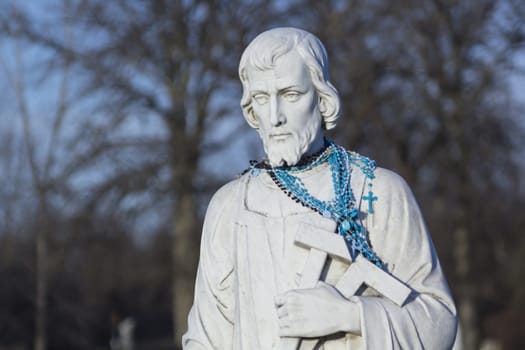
<point>286,106</point>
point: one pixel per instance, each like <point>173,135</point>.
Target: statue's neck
<point>317,145</point>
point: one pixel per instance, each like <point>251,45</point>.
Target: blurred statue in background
<point>315,246</point>
<point>122,335</point>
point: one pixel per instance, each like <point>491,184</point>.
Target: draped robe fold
<point>248,256</point>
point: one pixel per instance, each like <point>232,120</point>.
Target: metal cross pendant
<point>370,198</point>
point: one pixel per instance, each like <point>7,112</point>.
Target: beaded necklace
<point>341,208</point>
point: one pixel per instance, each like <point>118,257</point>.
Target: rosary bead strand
<point>341,208</point>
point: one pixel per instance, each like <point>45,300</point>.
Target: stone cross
<point>361,272</point>
<point>320,249</point>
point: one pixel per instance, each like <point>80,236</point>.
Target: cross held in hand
<point>324,244</point>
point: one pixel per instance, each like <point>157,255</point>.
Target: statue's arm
<point>210,321</point>
<point>399,235</point>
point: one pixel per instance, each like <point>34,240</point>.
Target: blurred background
<point>119,119</point>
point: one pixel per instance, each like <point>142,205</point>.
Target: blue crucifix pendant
<point>370,198</point>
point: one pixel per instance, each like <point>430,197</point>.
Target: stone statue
<point>314,247</point>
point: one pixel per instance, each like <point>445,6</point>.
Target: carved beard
<point>290,151</point>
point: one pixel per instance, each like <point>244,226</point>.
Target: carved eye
<point>292,96</point>
<point>261,98</point>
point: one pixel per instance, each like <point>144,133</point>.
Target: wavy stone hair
<point>261,54</point>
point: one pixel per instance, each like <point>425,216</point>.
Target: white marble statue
<point>314,247</point>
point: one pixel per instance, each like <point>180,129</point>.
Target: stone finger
<point>282,311</point>
<point>279,299</point>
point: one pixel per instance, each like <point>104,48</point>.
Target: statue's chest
<point>262,196</point>
<point>271,222</point>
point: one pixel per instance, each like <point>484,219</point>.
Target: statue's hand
<point>316,312</point>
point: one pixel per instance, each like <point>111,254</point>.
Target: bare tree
<point>40,165</point>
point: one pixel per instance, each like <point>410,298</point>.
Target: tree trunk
<point>466,305</point>
<point>185,258</point>
<point>41,291</point>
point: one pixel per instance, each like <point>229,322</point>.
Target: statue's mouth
<point>279,137</point>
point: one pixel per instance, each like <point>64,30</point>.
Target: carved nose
<point>276,118</point>
<point>278,122</point>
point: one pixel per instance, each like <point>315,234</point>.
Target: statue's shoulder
<point>389,185</point>
<point>382,179</point>
<point>224,201</point>
<point>366,165</point>
<point>389,178</point>
<point>369,168</point>
<point>230,191</point>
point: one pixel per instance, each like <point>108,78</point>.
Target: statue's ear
<point>251,118</point>
<point>254,122</point>
<point>323,105</point>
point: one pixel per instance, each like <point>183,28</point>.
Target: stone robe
<point>248,256</point>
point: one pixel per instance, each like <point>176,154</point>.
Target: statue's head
<point>287,95</point>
